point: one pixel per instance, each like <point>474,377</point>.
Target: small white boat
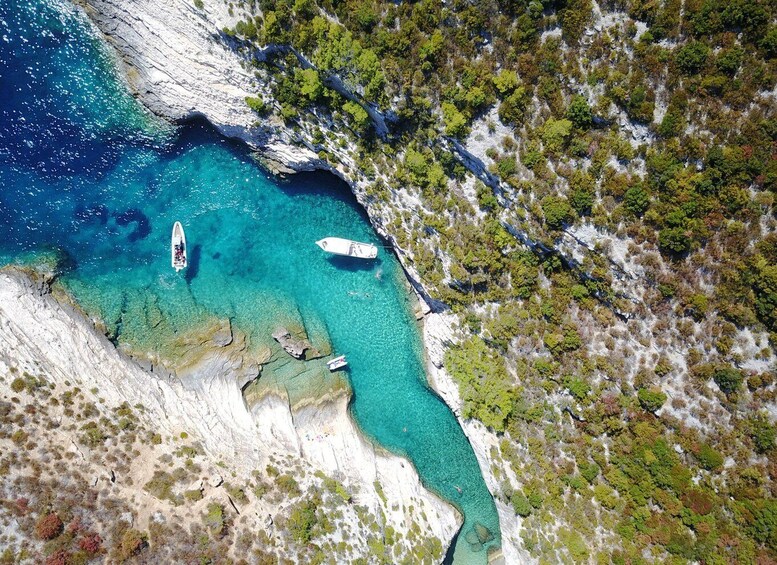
<point>348,248</point>
<point>178,247</point>
<point>336,363</point>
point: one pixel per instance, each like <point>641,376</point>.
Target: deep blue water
<point>89,178</point>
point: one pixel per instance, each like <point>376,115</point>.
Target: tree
<point>359,115</point>
<point>674,240</point>
<point>512,107</point>
<point>579,112</point>
<point>557,211</point>
<point>765,286</point>
<point>506,82</point>
<point>309,83</point>
<point>483,382</point>
<point>636,200</point>
<point>455,121</point>
<point>555,134</point>
<point>690,58</point>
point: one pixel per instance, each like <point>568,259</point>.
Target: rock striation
<point>41,334</point>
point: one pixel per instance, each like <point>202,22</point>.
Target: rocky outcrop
<point>291,345</point>
<point>41,335</point>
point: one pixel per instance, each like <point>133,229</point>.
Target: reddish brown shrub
<point>22,505</point>
<point>48,527</point>
<point>58,558</point>
<point>91,543</point>
<point>698,501</point>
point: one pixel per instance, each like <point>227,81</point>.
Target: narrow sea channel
<point>89,177</point>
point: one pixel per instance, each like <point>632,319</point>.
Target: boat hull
<point>348,248</point>
<point>178,253</point>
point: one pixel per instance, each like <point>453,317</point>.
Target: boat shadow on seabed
<point>195,254</point>
<point>353,264</point>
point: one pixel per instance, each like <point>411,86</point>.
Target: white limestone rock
<point>40,335</point>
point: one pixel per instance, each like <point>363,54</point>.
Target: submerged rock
<point>291,345</point>
<point>223,336</point>
<point>471,538</point>
<point>483,533</point>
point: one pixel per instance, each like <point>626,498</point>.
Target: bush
<point>579,113</point>
<point>709,458</point>
<point>132,543</point>
<point>91,543</point>
<point>521,505</point>
<point>761,431</point>
<point>302,521</point>
<point>48,527</point>
<point>651,399</point>
<point>256,104</point>
<point>728,379</point>
<point>214,519</point>
<point>674,240</point>
<point>557,212</point>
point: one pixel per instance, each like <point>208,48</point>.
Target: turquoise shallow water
<point>86,173</point>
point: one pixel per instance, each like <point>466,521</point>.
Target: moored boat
<point>336,363</point>
<point>178,248</point>
<point>348,248</point>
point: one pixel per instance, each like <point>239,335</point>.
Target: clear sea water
<point>88,177</point>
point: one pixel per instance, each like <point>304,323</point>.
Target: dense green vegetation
<point>654,125</point>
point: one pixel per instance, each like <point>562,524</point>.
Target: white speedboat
<point>178,247</point>
<point>336,363</point>
<point>348,248</point>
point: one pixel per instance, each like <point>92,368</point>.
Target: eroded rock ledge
<point>41,335</point>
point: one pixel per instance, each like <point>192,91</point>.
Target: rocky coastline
<point>41,333</point>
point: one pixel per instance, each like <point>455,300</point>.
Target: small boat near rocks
<point>178,248</point>
<point>348,248</point>
<point>336,363</point>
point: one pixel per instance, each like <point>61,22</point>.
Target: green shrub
<point>303,521</point>
<point>762,432</point>
<point>579,112</point>
<point>256,104</point>
<point>690,58</point>
<point>521,505</point>
<point>651,399</point>
<point>483,382</point>
<point>214,519</point>
<point>557,212</point>
<point>709,458</point>
<point>728,379</point>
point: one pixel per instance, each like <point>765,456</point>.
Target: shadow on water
<point>141,221</point>
<point>448,559</point>
<point>353,264</point>
<point>194,263</point>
